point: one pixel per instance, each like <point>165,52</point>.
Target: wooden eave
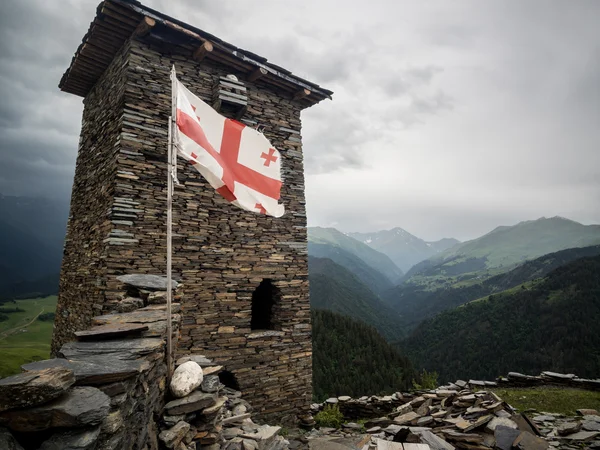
<point>117,21</point>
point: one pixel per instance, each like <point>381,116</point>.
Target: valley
<point>528,291</point>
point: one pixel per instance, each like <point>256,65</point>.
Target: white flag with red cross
<point>238,161</point>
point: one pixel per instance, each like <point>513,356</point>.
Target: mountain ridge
<point>403,248</point>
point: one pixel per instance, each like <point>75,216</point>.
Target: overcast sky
<point>448,118</point>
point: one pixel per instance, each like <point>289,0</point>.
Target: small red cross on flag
<point>238,161</point>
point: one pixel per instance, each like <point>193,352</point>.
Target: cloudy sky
<point>448,118</point>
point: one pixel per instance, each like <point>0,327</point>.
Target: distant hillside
<point>373,258</point>
<point>33,232</point>
<point>336,289</point>
<point>403,248</point>
<point>550,325</point>
<point>374,280</point>
<point>351,358</point>
<point>415,304</point>
<point>504,247</point>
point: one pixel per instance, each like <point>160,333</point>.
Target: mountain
<point>415,304</point>
<point>336,289</point>
<point>351,358</point>
<point>373,258</point>
<point>403,248</point>
<point>374,280</point>
<point>33,232</point>
<point>506,246</point>
<point>551,324</point>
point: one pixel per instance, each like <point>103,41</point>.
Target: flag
<point>236,160</point>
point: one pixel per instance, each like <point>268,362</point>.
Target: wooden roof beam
<point>202,52</point>
<point>257,73</point>
<point>301,94</point>
<point>144,27</point>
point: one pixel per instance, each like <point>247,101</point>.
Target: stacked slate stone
<point>103,390</point>
<point>515,379</point>
<point>206,414</point>
<point>457,416</point>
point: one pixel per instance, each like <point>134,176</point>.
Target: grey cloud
<point>448,118</point>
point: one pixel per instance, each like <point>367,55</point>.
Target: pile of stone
<point>464,418</point>
<point>206,414</point>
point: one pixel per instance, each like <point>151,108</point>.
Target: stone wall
<point>221,253</point>
<point>83,267</point>
<point>102,392</point>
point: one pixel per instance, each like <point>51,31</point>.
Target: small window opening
<point>265,300</point>
<point>229,380</point>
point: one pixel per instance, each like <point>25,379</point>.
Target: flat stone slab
<point>122,349</point>
<point>154,319</point>
<point>527,441</point>
<point>73,440</point>
<point>466,426</point>
<point>435,442</point>
<point>558,376</point>
<point>193,402</point>
<point>153,282</point>
<point>582,436</point>
<point>111,331</point>
<point>406,418</point>
<point>93,371</point>
<point>201,360</point>
<point>81,406</point>
<point>505,437</point>
<point>34,388</point>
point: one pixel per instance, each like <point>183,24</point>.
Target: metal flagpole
<point>171,164</point>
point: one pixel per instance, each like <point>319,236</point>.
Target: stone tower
<point>246,302</point>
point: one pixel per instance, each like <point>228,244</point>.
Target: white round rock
<point>186,378</point>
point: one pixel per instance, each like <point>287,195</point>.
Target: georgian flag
<point>238,161</point>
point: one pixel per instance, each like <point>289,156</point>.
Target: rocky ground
<point>445,419</point>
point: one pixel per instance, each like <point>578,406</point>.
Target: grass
<point>23,339</point>
<point>549,399</point>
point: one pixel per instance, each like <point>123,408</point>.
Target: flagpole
<point>170,169</point>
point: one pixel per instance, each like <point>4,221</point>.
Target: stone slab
<point>110,331</point>
<point>195,401</point>
<point>505,437</point>
<point>81,406</point>
<point>93,371</point>
<point>154,282</point>
<point>120,349</point>
<point>35,387</point>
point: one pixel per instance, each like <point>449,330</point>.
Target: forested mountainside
<point>502,249</point>
<point>351,358</point>
<point>403,248</point>
<point>336,289</point>
<point>374,280</point>
<point>414,303</point>
<point>378,261</point>
<point>549,324</point>
<point>33,232</point>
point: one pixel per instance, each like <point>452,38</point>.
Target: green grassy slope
<point>502,249</point>
<point>17,346</point>
<point>416,303</point>
<point>373,258</point>
<point>334,288</point>
<point>551,325</point>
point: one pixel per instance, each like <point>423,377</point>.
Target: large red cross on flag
<point>238,161</point>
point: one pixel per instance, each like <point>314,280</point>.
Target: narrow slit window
<point>264,304</point>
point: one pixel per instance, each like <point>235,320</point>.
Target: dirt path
<point>10,331</point>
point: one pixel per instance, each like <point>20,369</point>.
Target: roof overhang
<point>117,21</point>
